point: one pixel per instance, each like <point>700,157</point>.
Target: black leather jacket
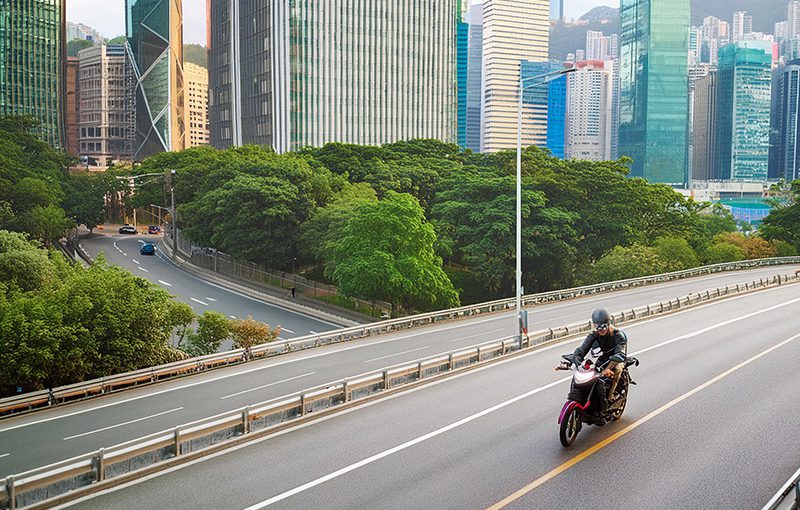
<point>616,343</point>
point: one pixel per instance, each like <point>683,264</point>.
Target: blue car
<point>148,249</point>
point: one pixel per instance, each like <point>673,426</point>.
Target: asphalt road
<point>712,423</point>
<point>52,435</point>
<point>123,250</point>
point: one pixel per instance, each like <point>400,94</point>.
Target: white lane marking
<point>474,336</point>
<point>198,301</point>
<point>4,455</point>
<point>115,246</point>
<point>136,262</point>
<point>313,332</point>
<point>480,414</point>
<point>143,269</point>
<point>123,424</point>
<point>361,346</point>
<point>266,386</point>
<point>210,299</point>
<point>162,282</point>
<point>245,296</point>
<point>287,330</point>
<point>398,354</point>
<point>123,253</point>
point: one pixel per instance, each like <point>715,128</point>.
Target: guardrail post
<point>11,493</point>
<point>385,379</point>
<point>177,441</point>
<point>479,354</point>
<point>302,404</point>
<point>450,361</point>
<point>419,370</point>
<point>100,465</point>
<point>246,420</point>
<point>345,391</point>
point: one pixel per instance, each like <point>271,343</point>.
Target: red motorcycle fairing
<point>569,405</point>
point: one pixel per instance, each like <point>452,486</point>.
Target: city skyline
<point>110,21</point>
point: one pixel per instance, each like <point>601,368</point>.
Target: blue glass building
<point>549,98</point>
<point>474,78</point>
<point>462,62</point>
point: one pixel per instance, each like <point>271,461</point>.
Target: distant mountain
<point>568,38</point>
<point>601,13</point>
<point>195,54</point>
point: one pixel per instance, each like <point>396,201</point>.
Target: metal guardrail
<point>74,477</point>
<point>788,497</point>
<point>104,385</point>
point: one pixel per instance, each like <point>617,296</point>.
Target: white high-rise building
<point>589,111</point>
<point>742,25</point>
<point>793,20</point>
<point>513,31</point>
<point>304,73</point>
<point>695,44</point>
<point>596,45</point>
<point>781,30</point>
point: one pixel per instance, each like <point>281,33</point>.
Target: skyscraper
<point>71,106</point>
<point>305,73</point>
<point>793,20</point>
<point>743,110</point>
<point>784,154</point>
<point>462,64</point>
<point>704,130</point>
<point>155,45</point>
<point>589,106</point>
<point>32,63</point>
<point>654,102</point>
<point>742,25</point>
<point>548,100</point>
<point>513,31</point>
<point>475,77</point>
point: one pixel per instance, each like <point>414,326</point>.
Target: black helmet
<point>601,316</point>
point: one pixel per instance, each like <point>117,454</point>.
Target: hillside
<point>568,38</point>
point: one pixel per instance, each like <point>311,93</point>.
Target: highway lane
<point>59,433</point>
<point>123,250</point>
<point>711,424</point>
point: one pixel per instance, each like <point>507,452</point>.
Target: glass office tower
<point>462,65</point>
<point>32,64</point>
<point>547,101</point>
<point>154,29</point>
<point>654,94</point>
<point>744,82</point>
<point>307,72</point>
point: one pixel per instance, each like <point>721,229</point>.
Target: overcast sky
<point>108,16</point>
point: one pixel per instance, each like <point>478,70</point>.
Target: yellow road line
<point>607,441</point>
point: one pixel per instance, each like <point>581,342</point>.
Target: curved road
<point>123,250</point>
<point>712,423</point>
<point>55,434</point>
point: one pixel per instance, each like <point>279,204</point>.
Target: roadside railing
<point>104,385</point>
<point>788,497</point>
<point>94,471</point>
<point>226,265</point>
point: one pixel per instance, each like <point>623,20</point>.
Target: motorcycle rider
<point>611,341</point>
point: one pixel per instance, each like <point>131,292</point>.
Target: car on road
<point>148,249</point>
<point>127,229</point>
<point>153,229</point>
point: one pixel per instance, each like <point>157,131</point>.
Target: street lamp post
<point>542,79</point>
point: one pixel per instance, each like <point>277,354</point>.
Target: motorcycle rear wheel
<point>569,428</point>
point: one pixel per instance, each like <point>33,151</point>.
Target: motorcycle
<point>579,408</point>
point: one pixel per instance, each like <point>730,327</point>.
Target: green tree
<point>120,39</point>
<point>386,252</point>
<point>212,329</point>
<point>45,223</point>
<point>76,45</point>
<point>627,262</point>
<point>196,54</point>
<point>783,249</point>
<point>783,223</point>
<point>675,253</point>
<point>86,196</point>
<point>247,333</point>
<point>721,252</point>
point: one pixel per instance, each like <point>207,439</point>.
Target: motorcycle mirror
<point>597,351</point>
<point>617,358</point>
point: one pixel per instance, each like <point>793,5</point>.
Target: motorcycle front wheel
<point>622,390</point>
<point>569,428</point>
